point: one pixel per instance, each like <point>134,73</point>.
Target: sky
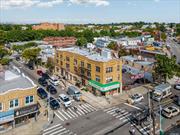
<point>89,11</point>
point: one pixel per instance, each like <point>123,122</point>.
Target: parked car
<point>42,93</point>
<point>74,91</point>
<point>51,89</point>
<point>39,72</point>
<point>177,86</point>
<point>170,111</point>
<point>176,99</point>
<point>65,100</point>
<point>45,76</point>
<point>54,81</point>
<point>42,82</point>
<point>136,98</point>
<point>54,104</point>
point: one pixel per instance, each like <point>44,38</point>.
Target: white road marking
<point>79,111</point>
<point>122,114</point>
<point>133,106</point>
<point>58,131</point>
<point>72,112</point>
<point>88,110</point>
<point>50,131</point>
<point>64,132</point>
<point>91,106</point>
<point>112,110</point>
<point>66,114</point>
<point>62,115</point>
<point>82,109</point>
<point>58,116</point>
<point>109,109</point>
<point>51,127</point>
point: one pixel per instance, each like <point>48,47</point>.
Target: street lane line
<point>62,115</point>
<point>82,109</point>
<point>66,114</point>
<point>58,131</point>
<point>72,112</point>
<point>64,132</point>
<point>50,131</point>
<point>58,116</point>
<point>112,110</point>
<point>133,106</point>
<point>91,106</point>
<point>79,110</point>
<point>88,110</point>
<point>51,127</point>
<point>109,109</point>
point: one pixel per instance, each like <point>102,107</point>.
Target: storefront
<point>23,115</point>
<point>104,89</point>
<point>6,119</point>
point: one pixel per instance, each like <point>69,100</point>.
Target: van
<point>54,81</point>
<point>161,91</point>
<point>74,91</point>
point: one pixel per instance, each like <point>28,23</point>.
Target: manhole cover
<point>67,124</point>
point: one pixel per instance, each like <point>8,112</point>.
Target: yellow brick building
<point>101,73</point>
<point>18,98</point>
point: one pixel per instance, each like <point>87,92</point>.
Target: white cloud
<point>94,2</point>
<point>49,3</point>
<point>7,4</point>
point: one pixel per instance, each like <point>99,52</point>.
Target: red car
<point>39,72</point>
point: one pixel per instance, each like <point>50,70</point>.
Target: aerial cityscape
<point>89,67</point>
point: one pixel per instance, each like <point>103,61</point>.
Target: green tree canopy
<point>81,41</point>
<point>163,36</point>
<point>31,53</point>
<point>112,45</point>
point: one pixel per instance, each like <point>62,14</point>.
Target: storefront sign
<point>6,116</point>
<point>26,110</point>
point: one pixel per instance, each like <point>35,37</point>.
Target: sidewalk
<point>112,100</point>
<point>33,127</point>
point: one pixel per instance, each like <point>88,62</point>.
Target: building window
<point>109,79</point>
<point>29,99</point>
<point>67,58</point>
<point>57,61</point>
<point>118,76</point>
<point>89,66</point>
<point>97,78</point>
<point>97,69</point>
<point>75,62</point>
<point>109,69</point>
<point>1,107</point>
<point>89,74</point>
<point>61,63</point>
<point>82,64</point>
<point>118,67</point>
<point>67,66</point>
<point>13,103</point>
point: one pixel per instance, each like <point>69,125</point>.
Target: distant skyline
<point>89,11</point>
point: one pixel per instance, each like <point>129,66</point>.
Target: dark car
<point>42,82</point>
<point>54,104</point>
<point>176,99</point>
<point>45,76</point>
<point>39,72</point>
<point>51,89</point>
<point>42,93</point>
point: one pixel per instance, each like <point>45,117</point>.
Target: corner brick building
<point>49,26</point>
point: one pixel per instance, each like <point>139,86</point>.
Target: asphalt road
<point>88,120</point>
<point>175,48</point>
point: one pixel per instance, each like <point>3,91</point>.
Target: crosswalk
<point>57,130</point>
<point>73,113</point>
<point>124,116</point>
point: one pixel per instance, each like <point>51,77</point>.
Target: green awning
<point>104,87</point>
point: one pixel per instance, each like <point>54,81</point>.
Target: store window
<point>109,79</point>
<point>13,103</point>
<point>29,99</point>
<point>1,107</point>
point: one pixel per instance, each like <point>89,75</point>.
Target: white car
<point>170,111</point>
<point>54,81</point>
<point>177,86</point>
<point>65,100</point>
<point>136,98</point>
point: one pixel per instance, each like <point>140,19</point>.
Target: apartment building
<point>49,26</point>
<point>60,41</point>
<point>18,98</point>
<point>100,73</point>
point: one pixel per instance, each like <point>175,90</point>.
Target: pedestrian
<point>52,122</point>
<point>54,115</point>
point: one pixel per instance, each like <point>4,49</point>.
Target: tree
<point>31,54</point>
<point>112,45</point>
<point>50,65</point>
<point>163,36</point>
<point>5,61</point>
<point>122,52</point>
<point>81,42</point>
<point>3,52</point>
<point>165,67</point>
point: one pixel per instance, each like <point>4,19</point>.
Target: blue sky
<point>89,11</point>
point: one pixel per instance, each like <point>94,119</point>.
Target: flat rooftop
<point>12,80</point>
<point>86,53</point>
